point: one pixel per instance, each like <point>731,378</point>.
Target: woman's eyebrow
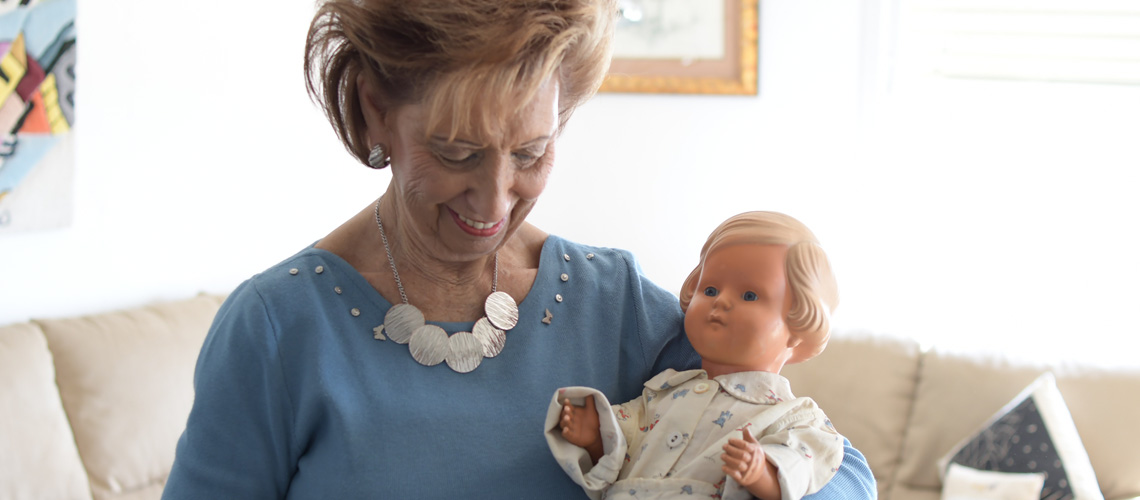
<point>465,143</point>
<point>537,139</point>
<point>460,142</point>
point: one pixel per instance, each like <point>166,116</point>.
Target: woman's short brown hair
<point>815,294</point>
<point>454,55</point>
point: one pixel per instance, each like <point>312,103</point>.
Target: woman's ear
<point>371,105</point>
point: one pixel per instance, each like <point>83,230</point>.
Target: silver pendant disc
<point>502,310</point>
<point>466,352</point>
<point>493,339</point>
<point>429,345</point>
<point>401,321</point>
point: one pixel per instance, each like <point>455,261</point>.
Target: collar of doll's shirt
<point>671,378</point>
<point>752,387</point>
<point>756,387</point>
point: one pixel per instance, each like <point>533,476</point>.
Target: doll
<point>760,298</point>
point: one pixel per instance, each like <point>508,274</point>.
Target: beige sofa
<point>92,407</point>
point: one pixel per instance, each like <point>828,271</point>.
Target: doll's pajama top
<point>668,442</point>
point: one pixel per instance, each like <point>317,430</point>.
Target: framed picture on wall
<point>685,47</point>
<point>37,113</point>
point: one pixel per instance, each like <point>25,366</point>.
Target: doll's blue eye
<point>749,296</point>
<point>710,291</point>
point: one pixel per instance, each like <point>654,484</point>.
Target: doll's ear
<point>800,351</point>
<point>794,340</point>
<point>689,288</point>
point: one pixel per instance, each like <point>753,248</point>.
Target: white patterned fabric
<point>668,442</point>
<point>964,483</point>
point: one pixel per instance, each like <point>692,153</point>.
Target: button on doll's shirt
<point>675,440</point>
<point>701,388</point>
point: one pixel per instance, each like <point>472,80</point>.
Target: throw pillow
<point>964,483</point>
<point>1034,433</point>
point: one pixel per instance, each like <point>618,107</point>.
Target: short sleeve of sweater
<point>238,436</point>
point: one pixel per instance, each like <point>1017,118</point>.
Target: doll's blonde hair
<point>811,283</point>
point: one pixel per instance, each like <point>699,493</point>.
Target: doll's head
<point>810,294</point>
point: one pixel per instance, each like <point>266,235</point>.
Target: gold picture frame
<point>734,72</point>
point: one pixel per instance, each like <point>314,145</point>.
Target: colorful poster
<point>37,113</point>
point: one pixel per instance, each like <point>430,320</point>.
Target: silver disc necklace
<point>429,344</point>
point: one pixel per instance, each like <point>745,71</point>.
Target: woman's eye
<point>710,291</point>
<point>456,155</point>
<point>460,158</point>
<point>525,160</point>
<point>749,296</point>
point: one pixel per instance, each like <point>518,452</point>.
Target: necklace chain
<point>392,262</point>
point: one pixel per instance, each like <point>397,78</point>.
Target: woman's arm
<point>237,439</point>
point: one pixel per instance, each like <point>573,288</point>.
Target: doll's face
<point>735,320</point>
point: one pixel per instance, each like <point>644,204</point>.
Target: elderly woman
<point>411,352</point>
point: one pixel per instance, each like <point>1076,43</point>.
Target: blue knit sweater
<point>295,398</point>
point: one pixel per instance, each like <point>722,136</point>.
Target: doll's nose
<point>722,302</point>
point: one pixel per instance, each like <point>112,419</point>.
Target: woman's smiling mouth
<point>475,227</point>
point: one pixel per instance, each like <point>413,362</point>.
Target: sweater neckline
<point>543,279</point>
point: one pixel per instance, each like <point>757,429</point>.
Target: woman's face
<point>464,198</point>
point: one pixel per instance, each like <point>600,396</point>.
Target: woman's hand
<point>580,427</point>
<point>744,461</point>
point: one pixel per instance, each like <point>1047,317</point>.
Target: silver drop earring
<point>378,158</point>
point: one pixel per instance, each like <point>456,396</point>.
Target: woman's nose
<point>490,195</point>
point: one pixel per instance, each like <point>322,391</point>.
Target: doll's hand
<point>580,427</point>
<point>744,461</point>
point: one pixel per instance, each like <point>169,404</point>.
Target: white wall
<point>200,159</point>
<point>951,217</point>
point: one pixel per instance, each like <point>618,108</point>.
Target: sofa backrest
<point>92,407</point>
<point>866,386</point>
<point>958,393</point>
<point>906,408</point>
<point>38,457</point>
<point>115,389</point>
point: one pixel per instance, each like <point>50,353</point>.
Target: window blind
<point>1083,41</point>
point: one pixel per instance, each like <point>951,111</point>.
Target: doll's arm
<point>580,427</point>
<point>594,475</point>
<point>800,452</point>
<point>744,461</point>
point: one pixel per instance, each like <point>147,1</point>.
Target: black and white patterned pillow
<point>1033,433</point>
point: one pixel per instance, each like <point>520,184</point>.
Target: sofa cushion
<point>959,392</point>
<point>38,458</point>
<point>865,384</point>
<point>126,382</point>
<point>898,491</point>
<point>1102,402</point>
